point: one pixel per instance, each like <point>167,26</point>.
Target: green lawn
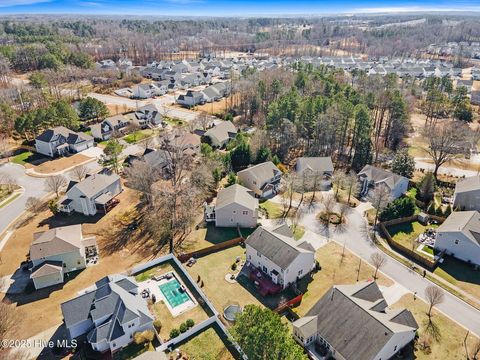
<point>211,235</point>
<point>460,274</point>
<point>22,158</point>
<point>174,122</point>
<point>428,249</point>
<point>405,233</point>
<point>138,136</point>
<point>206,346</point>
<point>273,210</point>
<point>10,200</point>
<point>147,274</point>
<point>298,232</point>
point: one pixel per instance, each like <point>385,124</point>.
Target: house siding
<point>72,261</point>
<point>469,200</point>
<point>44,148</point>
<point>465,250</point>
<point>232,215</point>
<point>48,280</point>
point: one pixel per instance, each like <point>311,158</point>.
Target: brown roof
<point>56,241</point>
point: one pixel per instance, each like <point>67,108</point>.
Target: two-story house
<point>371,177</point>
<point>61,141</point>
<point>263,179</point>
<point>108,127</point>
<point>221,133</point>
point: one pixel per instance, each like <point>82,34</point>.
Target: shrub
<point>234,266</point>
<point>157,324</point>
<point>183,327</point>
<point>143,337</point>
<point>431,208</point>
<point>401,207</point>
<point>174,333</point>
<point>439,211</point>
<point>190,323</point>
<point>448,211</point>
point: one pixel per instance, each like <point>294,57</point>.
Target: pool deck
<point>154,287</point>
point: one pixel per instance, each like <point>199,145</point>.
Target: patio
<point>262,281</point>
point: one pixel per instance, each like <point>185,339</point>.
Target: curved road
<point>356,240</point>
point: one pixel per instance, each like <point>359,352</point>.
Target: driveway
<point>355,238</point>
<point>33,187</point>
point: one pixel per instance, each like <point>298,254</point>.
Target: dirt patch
<point>60,164</point>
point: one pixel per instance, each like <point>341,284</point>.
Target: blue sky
<point>231,8</point>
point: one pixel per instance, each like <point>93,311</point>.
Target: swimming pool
<point>172,292</point>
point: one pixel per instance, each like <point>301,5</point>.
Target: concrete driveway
<point>33,187</point>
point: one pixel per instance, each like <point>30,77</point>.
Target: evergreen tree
<point>403,164</point>
<point>427,187</point>
<point>91,108</point>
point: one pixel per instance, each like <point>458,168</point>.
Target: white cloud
<point>404,9</point>
<point>6,3</point>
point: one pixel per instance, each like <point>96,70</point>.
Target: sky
<point>231,7</point>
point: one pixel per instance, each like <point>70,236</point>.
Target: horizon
<point>243,8</point>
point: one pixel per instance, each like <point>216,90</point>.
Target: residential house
<point>110,126</point>
<point>147,91</point>
<point>316,167</point>
<point>220,134</point>
<point>235,206</point>
<point>191,98</point>
<point>109,314</point>
<point>211,94</point>
<point>107,64</point>
<point>371,177</point>
<point>148,116</point>
<point>475,97</point>
<point>353,322</point>
<point>263,179</point>
<point>459,236</point>
<point>467,194</point>
<point>61,141</point>
<point>96,193</point>
<point>190,143</point>
<point>58,251</point>
<point>275,255</point>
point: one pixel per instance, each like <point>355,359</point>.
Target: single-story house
<point>467,194</point>
<point>220,134</point>
<point>96,193</point>
<point>319,167</point>
<point>353,322</point>
<point>234,206</point>
<point>278,256</point>
<point>459,236</point>
<point>370,177</point>
<point>61,141</point>
<point>58,251</point>
<point>263,179</point>
<point>108,127</point>
<point>109,314</point>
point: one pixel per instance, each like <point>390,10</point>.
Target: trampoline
<point>231,311</point>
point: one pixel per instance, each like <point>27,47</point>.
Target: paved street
<point>420,163</point>
<point>33,187</point>
<point>355,239</point>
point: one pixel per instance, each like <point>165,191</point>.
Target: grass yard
<point>460,274</point>
<point>22,158</point>
<point>206,346</point>
<point>446,336</point>
<point>405,233</point>
<point>159,269</point>
<point>298,232</point>
<point>272,209</point>
<point>212,270</point>
<point>7,190</point>
<point>161,312</point>
<point>61,163</point>
<point>336,271</point>
<point>174,122</point>
<point>137,136</point>
<point>10,200</point>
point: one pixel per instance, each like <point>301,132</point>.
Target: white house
<point>191,98</point>
<point>109,314</point>
<point>467,194</point>
<point>263,179</point>
<point>316,167</point>
<point>279,256</point>
<point>61,141</point>
<point>108,127</point>
<point>148,116</point>
<point>234,206</point>
<point>221,133</point>
<point>58,251</point>
<point>459,236</point>
<point>370,177</point>
<point>353,322</point>
<point>147,91</point>
<point>96,193</point>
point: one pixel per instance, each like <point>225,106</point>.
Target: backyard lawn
<point>406,233</point>
<point>138,136</point>
<point>211,235</point>
<point>272,209</point>
<point>22,158</point>
<point>6,190</point>
<point>446,336</point>
<point>206,346</point>
<point>460,274</point>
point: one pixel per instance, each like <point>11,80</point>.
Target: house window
<point>245,212</point>
<point>395,349</point>
<point>457,241</point>
<point>258,254</point>
<point>78,262</point>
<point>300,272</point>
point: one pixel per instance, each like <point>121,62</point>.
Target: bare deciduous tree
<point>434,297</point>
<point>140,176</point>
<point>5,150</point>
<point>56,184</point>
<point>380,198</point>
<point>33,204</point>
<point>80,172</point>
<point>378,260</point>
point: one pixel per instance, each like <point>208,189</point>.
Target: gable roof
<point>93,184</point>
<point>379,175</point>
<point>280,249</point>
<point>467,222</point>
<point>56,241</point>
<point>262,172</point>
<point>47,268</point>
<point>470,183</point>
<point>221,131</point>
<point>352,325</point>
<point>112,298</point>
<point>236,194</point>
<point>70,136</point>
<point>317,164</point>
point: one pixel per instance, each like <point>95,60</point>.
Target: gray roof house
<point>278,256</point>
<point>148,116</point>
<point>221,133</point>
<point>235,206</point>
<point>467,194</point>
<point>191,98</point>
<point>61,141</point>
<point>353,322</point>
<point>459,236</point>
<point>263,179</point>
<point>58,251</point>
<point>96,193</point>
<point>320,168</point>
<point>108,127</point>
<point>371,177</point>
<point>109,313</point>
